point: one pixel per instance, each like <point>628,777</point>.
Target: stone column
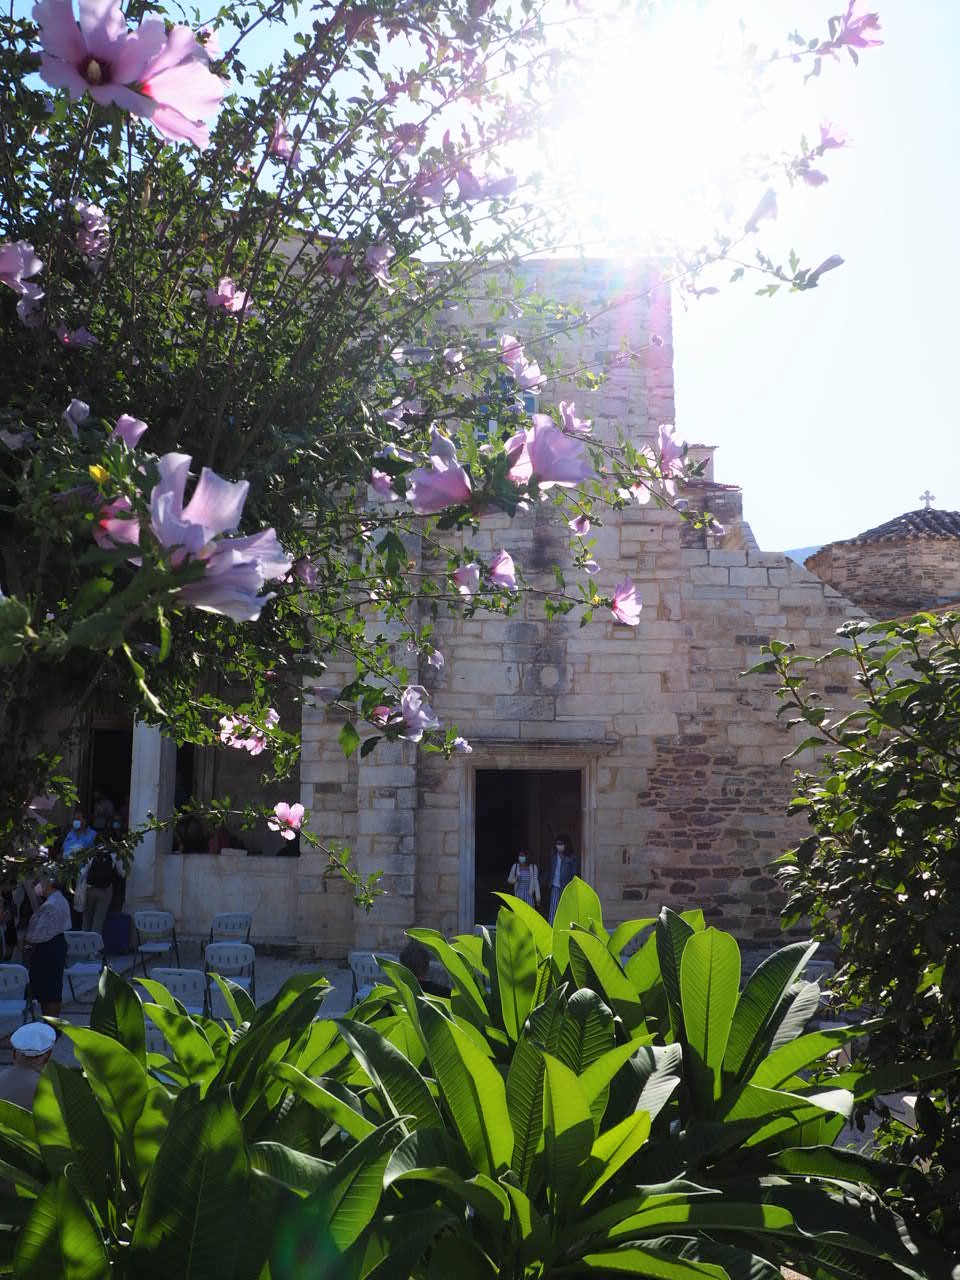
<point>152,776</point>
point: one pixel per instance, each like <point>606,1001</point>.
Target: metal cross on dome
<point>927,498</point>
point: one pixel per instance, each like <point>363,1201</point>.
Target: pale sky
<point>836,409</point>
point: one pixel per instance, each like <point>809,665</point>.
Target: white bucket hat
<point>34,1040</point>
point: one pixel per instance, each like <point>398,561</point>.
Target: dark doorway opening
<point>109,756</point>
<point>520,809</point>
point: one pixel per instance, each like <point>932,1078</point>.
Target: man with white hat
<point>32,1046</point>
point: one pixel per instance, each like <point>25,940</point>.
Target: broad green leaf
<point>59,1240</point>
<point>782,1064</point>
<point>313,1093</point>
<point>612,1150</point>
<point>401,1085</point>
<point>463,978</point>
<point>580,905</point>
<point>661,1215</point>
<point>709,983</point>
<point>239,1005</point>
<point>295,1169</point>
<point>794,1013</point>
<point>394,1243</point>
<point>596,1079</point>
<point>71,1129</point>
<point>190,1046</point>
<point>531,917</point>
<point>428,1149</point>
<point>187,1222</point>
<point>344,1202</point>
<point>592,962</point>
<point>118,1080</point>
<point>151,1127</point>
<point>625,933</point>
<point>586,1031</point>
<point>635,1261</point>
<point>487,1198</point>
<point>758,1004</point>
<point>472,1090</point>
<point>516,970</point>
<point>525,1082</point>
<point>117,1013</point>
<point>672,934</point>
<point>662,1080</point>
<point>891,1077</point>
<point>568,1134</point>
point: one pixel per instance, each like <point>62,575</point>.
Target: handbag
<point>80,892</point>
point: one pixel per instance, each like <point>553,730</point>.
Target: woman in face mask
<point>524,879</point>
<point>79,837</point>
<point>563,867</point>
<point>46,944</point>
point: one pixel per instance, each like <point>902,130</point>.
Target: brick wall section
<point>889,579</point>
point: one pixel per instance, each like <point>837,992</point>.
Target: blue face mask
<point>116,826</point>
<point>77,824</point>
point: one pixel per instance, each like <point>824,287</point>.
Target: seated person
<point>32,1046</point>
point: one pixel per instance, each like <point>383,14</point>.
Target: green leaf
<point>578,904</point>
<point>672,934</point>
<point>190,1046</point>
<point>634,1261</point>
<point>516,955</point>
<point>117,1013</point>
<point>709,983</point>
<point>118,1080</point>
<point>239,1005</point>
<point>611,1151</point>
<point>313,1093</point>
<point>758,1004</point>
<point>531,917</point>
<point>59,1240</point>
<point>625,933</point>
<point>348,738</point>
<point>592,962</point>
<point>586,1031</point>
<point>662,1080</point>
<point>567,1131</point>
<point>472,1090</point>
<point>187,1223</point>
<point>295,1169</point>
<point>778,1067</point>
<point>463,979</point>
<point>346,1199</point>
<point>71,1129</point>
<point>401,1085</point>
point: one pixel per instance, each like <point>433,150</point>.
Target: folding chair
<point>233,960</point>
<point>156,936</point>
<point>84,957</point>
<point>14,1002</point>
<point>230,926</point>
<point>189,986</point>
<point>365,967</point>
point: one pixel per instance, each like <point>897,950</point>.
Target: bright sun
<point>655,145</point>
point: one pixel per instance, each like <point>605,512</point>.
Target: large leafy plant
<point>569,1110</point>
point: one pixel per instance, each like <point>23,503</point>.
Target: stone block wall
<point>892,578</point>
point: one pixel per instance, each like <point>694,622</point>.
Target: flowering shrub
<point>215,270</point>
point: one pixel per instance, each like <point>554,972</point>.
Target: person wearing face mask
<point>524,880</point>
<point>45,943</point>
<point>80,836</point>
<point>563,867</point>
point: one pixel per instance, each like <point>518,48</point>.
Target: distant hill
<point>801,553</point>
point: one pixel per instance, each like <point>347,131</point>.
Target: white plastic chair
<point>84,957</point>
<point>189,986</point>
<point>230,926</point>
<point>234,960</point>
<point>156,936</point>
<point>13,992</point>
<point>366,970</point>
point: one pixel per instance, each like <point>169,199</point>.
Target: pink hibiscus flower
<point>626,603</point>
<point>502,571</point>
<point>17,261</point>
<point>288,819</point>
<point>150,72</point>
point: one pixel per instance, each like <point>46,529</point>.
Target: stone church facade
<point>644,744</point>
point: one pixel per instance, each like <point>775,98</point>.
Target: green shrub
<point>568,1111</point>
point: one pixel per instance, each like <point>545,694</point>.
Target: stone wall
<point>892,578</point>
